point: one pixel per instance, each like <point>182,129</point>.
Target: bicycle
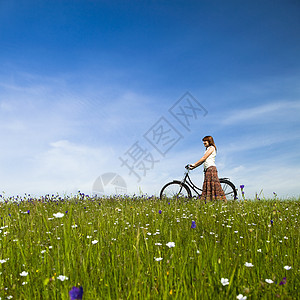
<point>182,189</point>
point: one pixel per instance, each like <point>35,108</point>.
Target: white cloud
<point>267,178</point>
<point>59,140</point>
<point>268,113</point>
<point>64,167</point>
<point>256,140</point>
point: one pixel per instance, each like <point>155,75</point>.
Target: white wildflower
<point>170,244</point>
<point>224,281</point>
<point>158,258</point>
<point>62,277</point>
<point>2,261</point>
<point>248,264</point>
<point>269,281</point>
<point>58,215</point>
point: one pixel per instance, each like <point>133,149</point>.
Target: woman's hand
<point>192,166</point>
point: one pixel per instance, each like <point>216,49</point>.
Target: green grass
<point>130,233</point>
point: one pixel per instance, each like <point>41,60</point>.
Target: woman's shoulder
<point>212,149</point>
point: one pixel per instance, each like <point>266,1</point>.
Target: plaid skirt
<point>212,189</point>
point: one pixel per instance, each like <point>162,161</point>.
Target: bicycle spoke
<point>174,190</point>
<point>229,189</point>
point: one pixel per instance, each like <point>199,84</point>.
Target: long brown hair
<point>210,141</point>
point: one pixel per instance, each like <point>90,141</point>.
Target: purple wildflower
<point>76,293</point>
<point>28,211</point>
<point>242,190</point>
<point>283,281</point>
<point>159,211</point>
<point>193,225</point>
<point>272,222</point>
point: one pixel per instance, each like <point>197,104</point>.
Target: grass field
<point>144,248</point>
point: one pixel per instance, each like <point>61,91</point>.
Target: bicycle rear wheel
<point>175,190</point>
<point>229,189</point>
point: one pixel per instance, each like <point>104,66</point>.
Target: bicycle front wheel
<point>229,189</point>
<point>175,190</point>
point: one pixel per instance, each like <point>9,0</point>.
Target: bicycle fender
<point>179,182</point>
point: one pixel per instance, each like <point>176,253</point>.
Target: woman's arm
<point>202,159</point>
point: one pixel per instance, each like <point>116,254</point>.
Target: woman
<point>211,189</point>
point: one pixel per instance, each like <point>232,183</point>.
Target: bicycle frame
<point>187,181</point>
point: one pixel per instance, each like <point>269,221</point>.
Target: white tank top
<point>210,161</point>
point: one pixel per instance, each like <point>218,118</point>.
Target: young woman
<point>211,189</point>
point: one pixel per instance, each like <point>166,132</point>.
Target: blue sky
<point>81,82</point>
